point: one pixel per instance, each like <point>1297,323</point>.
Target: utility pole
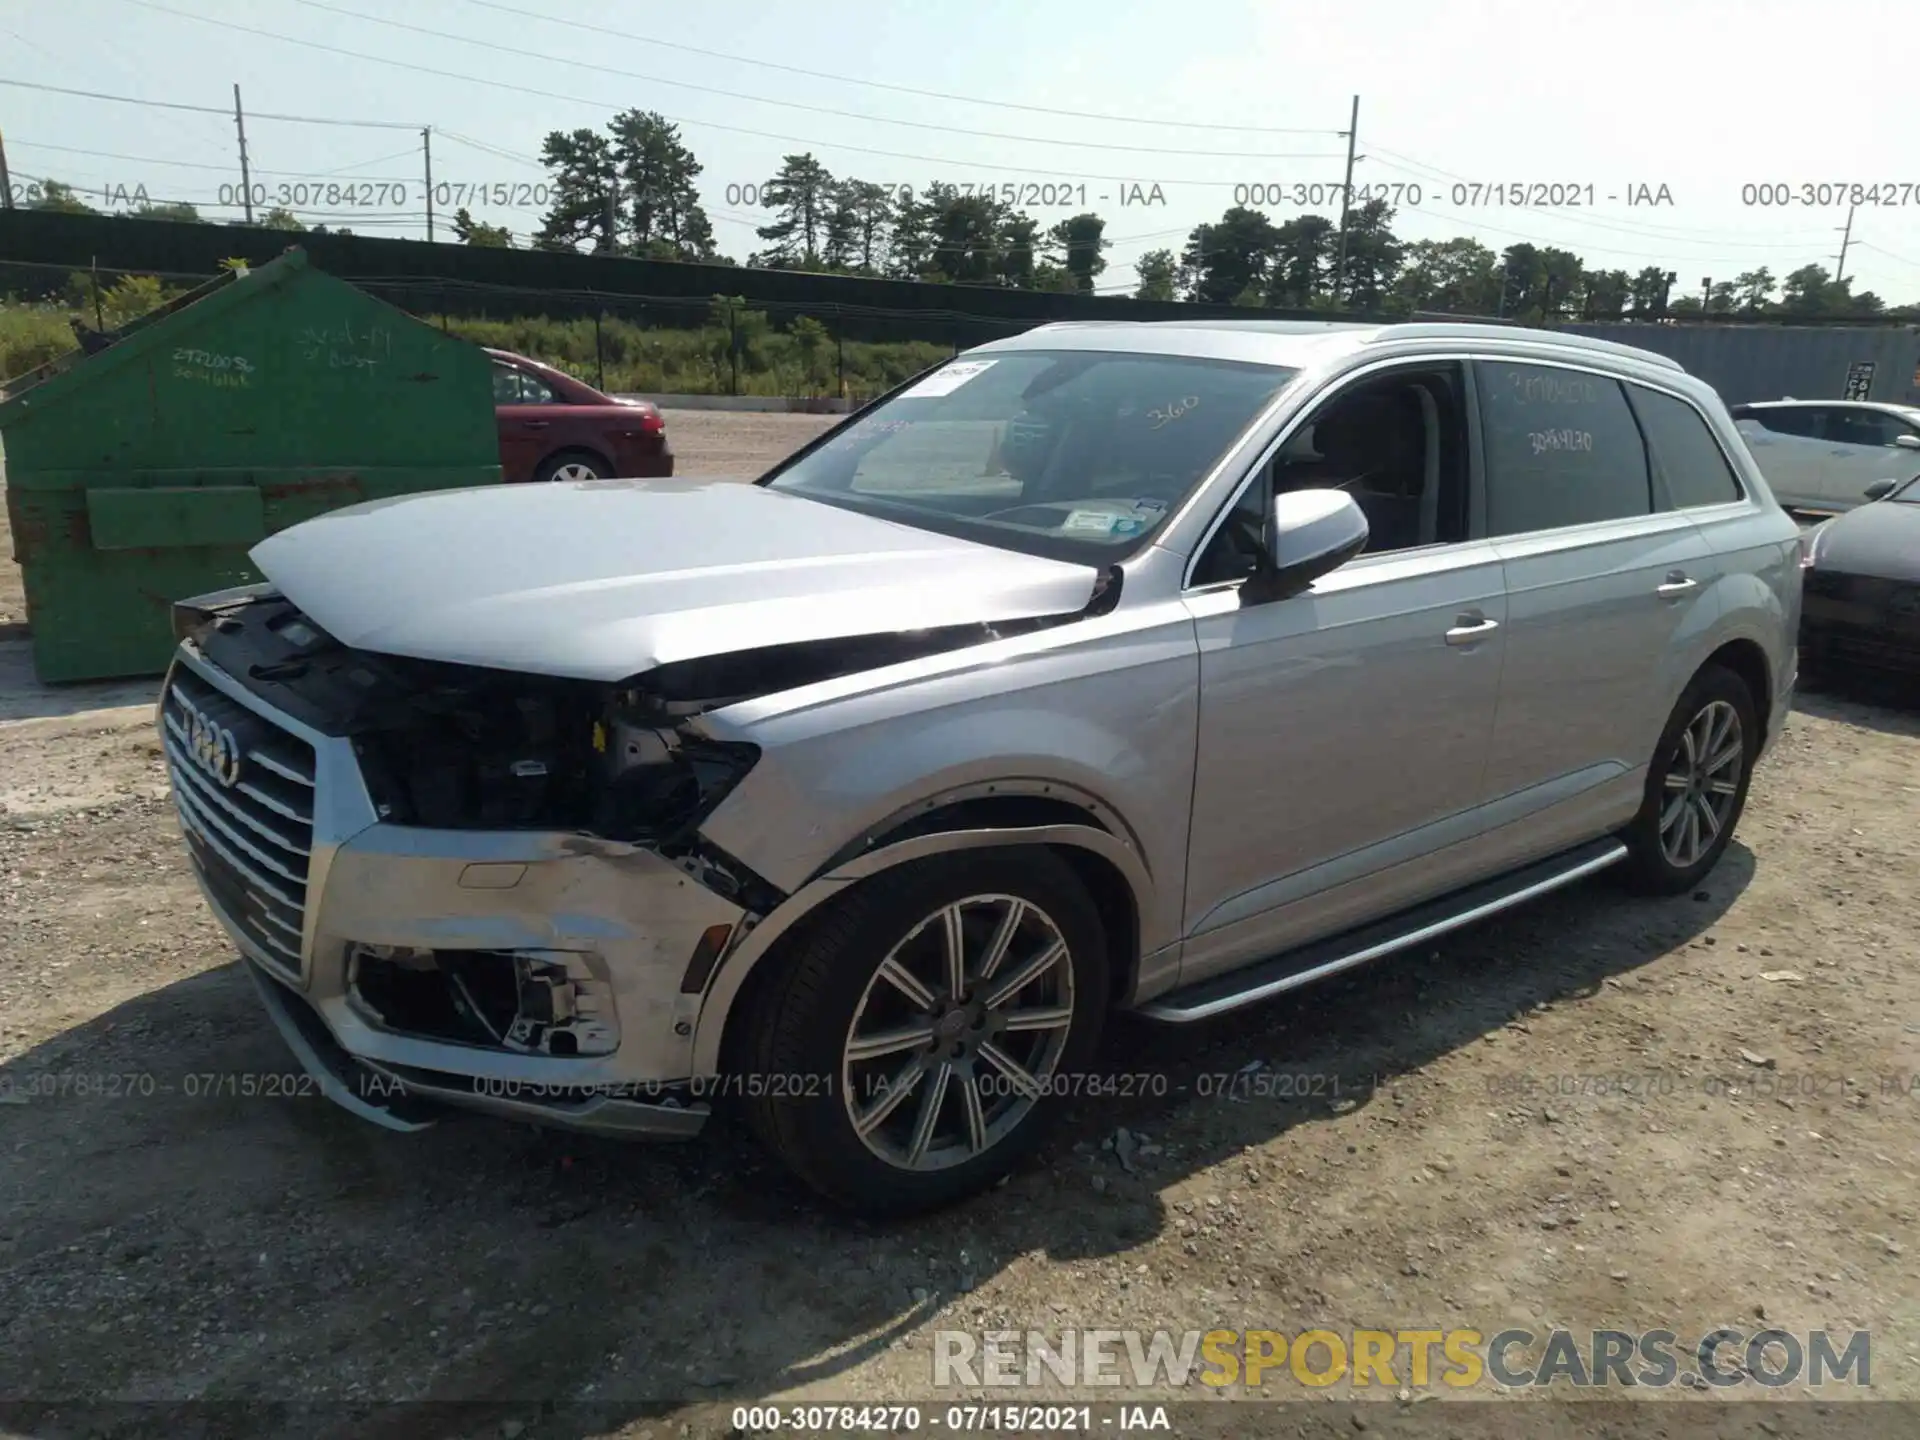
<point>246,179</point>
<point>1846,239</point>
<point>426,149</point>
<point>1706,296</point>
<point>1346,203</point>
<point>6,185</point>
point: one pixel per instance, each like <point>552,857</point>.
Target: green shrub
<point>791,358</point>
<point>31,335</point>
<point>698,360</point>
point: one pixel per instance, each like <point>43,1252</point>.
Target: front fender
<point>731,974</point>
<point>1105,710</point>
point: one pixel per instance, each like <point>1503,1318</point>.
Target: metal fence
<point>1807,362</point>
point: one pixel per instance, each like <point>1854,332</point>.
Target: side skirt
<point>1308,963</point>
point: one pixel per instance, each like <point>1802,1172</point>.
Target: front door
<point>1343,732</point>
<point>523,410</point>
<point>1863,448</point>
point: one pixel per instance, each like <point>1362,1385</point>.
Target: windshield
<point>1909,493</point>
<point>1077,455</point>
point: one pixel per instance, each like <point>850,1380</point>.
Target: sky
<point>1477,117</point>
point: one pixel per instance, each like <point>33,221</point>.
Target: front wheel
<point>924,1031</point>
<point>1696,785</point>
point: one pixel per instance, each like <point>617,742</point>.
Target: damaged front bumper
<point>547,977</point>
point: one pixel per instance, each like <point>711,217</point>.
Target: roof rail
<point>1563,339</point>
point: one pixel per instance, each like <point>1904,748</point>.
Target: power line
<point>223,112</point>
<point>1878,250</point>
<point>340,173</point>
<point>521,53</point>
<point>654,42</point>
<point>549,94</point>
<point>495,150</point>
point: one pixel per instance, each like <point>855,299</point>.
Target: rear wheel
<point>573,465</point>
<point>1696,785</point>
<point>923,1033</point>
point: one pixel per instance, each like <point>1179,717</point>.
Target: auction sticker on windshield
<point>947,379</point>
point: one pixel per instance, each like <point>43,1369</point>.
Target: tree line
<point>632,188</point>
<point>1244,258</point>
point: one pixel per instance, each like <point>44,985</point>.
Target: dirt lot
<point>1596,1112</point>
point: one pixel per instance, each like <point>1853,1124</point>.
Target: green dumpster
<point>142,473</point>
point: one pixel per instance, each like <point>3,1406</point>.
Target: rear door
<point>1600,585</point>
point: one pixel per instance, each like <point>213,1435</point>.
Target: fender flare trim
<point>730,976</point>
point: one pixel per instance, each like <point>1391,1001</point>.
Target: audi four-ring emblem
<point>214,747</point>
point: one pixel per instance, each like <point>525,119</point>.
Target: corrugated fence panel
<point>1767,362</point>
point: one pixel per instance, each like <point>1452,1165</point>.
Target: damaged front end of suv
<point>465,885</point>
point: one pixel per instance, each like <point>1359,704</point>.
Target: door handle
<point>1677,583</point>
<point>1471,629</point>
<point>536,424</point>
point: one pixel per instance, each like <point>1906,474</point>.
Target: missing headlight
<point>529,1002</point>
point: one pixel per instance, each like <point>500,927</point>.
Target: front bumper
<point>1860,621</point>
<point>626,920</point>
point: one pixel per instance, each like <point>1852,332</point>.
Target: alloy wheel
<point>576,470</point>
<point>958,1033</point>
<point>1701,784</point>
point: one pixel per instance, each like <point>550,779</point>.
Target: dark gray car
<point>1862,587</point>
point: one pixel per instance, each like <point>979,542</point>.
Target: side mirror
<point>1309,533</point>
<point>1908,441</point>
<point>1880,489</point>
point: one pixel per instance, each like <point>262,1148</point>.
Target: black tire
<point>551,467</point>
<point>1650,868</point>
<point>793,1071</point>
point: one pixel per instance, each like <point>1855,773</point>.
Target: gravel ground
<point>1598,1111</point>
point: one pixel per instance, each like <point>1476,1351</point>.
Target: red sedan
<point>553,427</point>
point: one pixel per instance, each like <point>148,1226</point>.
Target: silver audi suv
<point>1156,667</point>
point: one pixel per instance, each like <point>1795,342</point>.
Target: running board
<point>1322,958</point>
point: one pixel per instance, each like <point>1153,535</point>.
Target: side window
<point>1396,443</point>
<point>1795,420</point>
<point>514,386</point>
<point>1862,427</point>
<point>1562,449</point>
<point>1690,460</point>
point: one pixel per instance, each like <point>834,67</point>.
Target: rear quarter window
<point>1692,465</point>
<point>1562,448</point>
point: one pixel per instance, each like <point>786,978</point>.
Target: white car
<point>1823,454</point>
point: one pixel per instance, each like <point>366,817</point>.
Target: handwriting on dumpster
<point>210,367</point>
<point>341,347</point>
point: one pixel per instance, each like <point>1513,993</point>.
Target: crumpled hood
<point>603,579</point>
